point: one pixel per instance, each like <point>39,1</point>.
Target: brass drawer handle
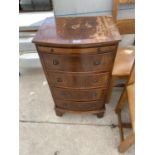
<point>97,62</point>
<point>59,79</point>
<point>55,62</point>
<point>52,50</point>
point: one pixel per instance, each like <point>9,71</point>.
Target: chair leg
<point>121,101</point>
<point>127,142</point>
<point>112,83</point>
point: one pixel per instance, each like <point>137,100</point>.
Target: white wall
<point>90,7</point>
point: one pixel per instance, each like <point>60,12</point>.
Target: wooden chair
<point>128,93</point>
<point>125,56</point>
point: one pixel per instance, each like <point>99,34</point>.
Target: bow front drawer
<point>82,106</point>
<point>78,95</point>
<point>95,50</point>
<point>75,80</point>
<point>79,63</point>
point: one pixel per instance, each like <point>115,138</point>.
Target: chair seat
<point>123,61</point>
<point>131,100</point>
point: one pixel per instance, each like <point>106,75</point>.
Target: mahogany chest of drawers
<point>77,55</point>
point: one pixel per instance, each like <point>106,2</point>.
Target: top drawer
<point>79,63</point>
<point>93,50</point>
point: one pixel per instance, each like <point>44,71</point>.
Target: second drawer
<point>78,95</point>
<point>78,80</point>
<point>79,62</point>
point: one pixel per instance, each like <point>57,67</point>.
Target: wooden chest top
<point>77,32</point>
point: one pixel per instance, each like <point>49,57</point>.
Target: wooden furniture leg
<point>121,101</point>
<point>112,83</point>
<point>128,93</point>
<point>58,112</point>
<point>125,144</point>
<point>100,115</point>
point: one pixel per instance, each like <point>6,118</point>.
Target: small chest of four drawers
<point>78,76</point>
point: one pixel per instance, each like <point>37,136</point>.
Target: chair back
<point>125,26</point>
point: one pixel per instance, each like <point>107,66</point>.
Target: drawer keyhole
<point>55,62</point>
<point>59,80</point>
<point>97,62</point>
<point>62,93</point>
<point>95,80</point>
<point>94,94</point>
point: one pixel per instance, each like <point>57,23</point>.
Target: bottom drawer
<point>78,95</point>
<point>80,106</point>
